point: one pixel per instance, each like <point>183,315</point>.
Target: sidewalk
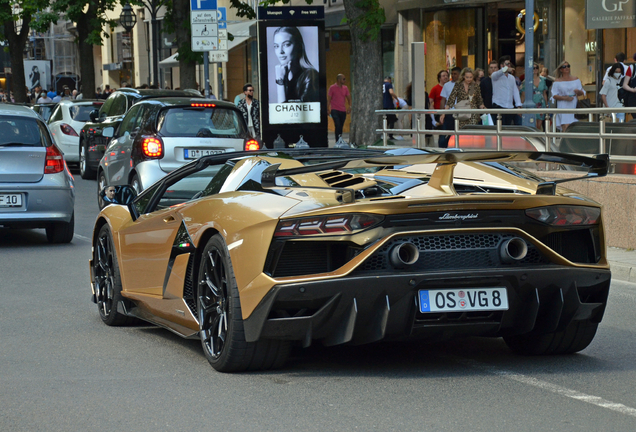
<point>622,263</point>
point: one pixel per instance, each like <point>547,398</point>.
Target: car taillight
<point>252,145</point>
<point>565,215</point>
<point>152,147</point>
<point>330,225</point>
<point>54,160</point>
<point>68,130</point>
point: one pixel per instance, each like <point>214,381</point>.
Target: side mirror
<point>108,132</point>
<point>123,195</point>
<point>93,115</point>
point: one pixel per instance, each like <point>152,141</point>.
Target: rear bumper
<point>51,200</point>
<point>365,309</point>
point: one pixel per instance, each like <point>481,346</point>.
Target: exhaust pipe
<point>514,249</point>
<point>404,254</point>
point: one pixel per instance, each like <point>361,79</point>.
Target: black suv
<point>92,144</point>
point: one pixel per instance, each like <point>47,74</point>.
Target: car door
<point>117,156</point>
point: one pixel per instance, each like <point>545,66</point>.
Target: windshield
<point>202,122</point>
<point>22,131</point>
<point>80,112</point>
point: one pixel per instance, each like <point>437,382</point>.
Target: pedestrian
<point>98,93</point>
<point>388,102</point>
<point>565,92</point>
<point>505,93</point>
<point>627,69</point>
<point>435,95</point>
<point>448,123</point>
<point>66,93</point>
<point>609,92</point>
<point>35,94</point>
<point>465,95</point>
<point>44,98</point>
<point>57,97</point>
<point>539,95</point>
<point>479,75</point>
<point>339,104</point>
<point>485,85</point>
<point>251,111</point>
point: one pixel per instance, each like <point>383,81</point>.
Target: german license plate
<point>197,153</point>
<point>465,299</point>
<point>10,200</point>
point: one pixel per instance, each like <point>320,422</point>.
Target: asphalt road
<point>61,369</point>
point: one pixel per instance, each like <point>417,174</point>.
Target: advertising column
<point>293,81</point>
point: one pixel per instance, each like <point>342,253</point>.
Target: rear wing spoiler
<point>442,177</point>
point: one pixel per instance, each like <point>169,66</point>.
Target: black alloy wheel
<point>221,321</point>
<point>107,280</point>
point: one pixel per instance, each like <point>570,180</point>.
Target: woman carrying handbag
<point>466,95</point>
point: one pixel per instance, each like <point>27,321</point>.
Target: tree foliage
<point>19,17</point>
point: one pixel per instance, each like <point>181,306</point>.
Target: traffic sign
<point>202,5</point>
<point>222,34</point>
<point>221,15</point>
<point>205,43</point>
<point>205,30</point>
<point>218,56</point>
<point>203,17</point>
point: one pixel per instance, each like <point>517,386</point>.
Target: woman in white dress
<point>565,91</point>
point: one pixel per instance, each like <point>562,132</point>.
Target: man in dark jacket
<point>486,84</point>
<point>251,111</point>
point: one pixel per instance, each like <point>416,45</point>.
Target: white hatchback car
<point>67,120</point>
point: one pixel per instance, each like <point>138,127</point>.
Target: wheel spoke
<point>213,288</point>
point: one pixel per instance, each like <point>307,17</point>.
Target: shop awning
<point>240,31</point>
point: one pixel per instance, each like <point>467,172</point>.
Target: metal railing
<point>550,136</point>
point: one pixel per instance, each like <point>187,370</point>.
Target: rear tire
<point>86,172</point>
<point>574,338</point>
<point>107,280</point>
<point>136,183</point>
<point>61,232</point>
<point>220,319</point>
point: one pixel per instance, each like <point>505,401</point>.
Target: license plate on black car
<point>464,299</point>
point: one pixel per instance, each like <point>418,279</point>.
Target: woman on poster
<point>34,76</point>
<point>296,78</point>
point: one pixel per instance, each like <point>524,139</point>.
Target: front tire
<point>220,319</point>
<point>86,172</point>
<point>107,280</point>
<point>61,232</point>
<point>574,338</point>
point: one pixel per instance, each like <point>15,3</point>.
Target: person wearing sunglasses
<point>539,95</point>
<point>565,91</point>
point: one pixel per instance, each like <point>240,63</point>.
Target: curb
<point>623,272</point>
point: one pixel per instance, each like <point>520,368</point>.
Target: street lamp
<point>128,19</point>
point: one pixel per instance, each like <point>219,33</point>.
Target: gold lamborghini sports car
<point>251,252</point>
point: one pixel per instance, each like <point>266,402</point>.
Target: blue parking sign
<point>202,5</point>
<point>221,17</point>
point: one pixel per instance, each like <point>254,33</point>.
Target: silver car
<point>36,187</point>
<point>159,135</point>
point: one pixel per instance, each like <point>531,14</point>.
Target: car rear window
<point>213,122</point>
<point>22,131</point>
<point>80,112</point>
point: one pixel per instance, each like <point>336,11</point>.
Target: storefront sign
<point>603,14</point>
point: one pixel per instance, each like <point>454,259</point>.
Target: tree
<point>89,15</point>
<point>18,18</point>
<point>178,22</point>
<point>365,18</point>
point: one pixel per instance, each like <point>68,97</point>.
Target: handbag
<point>464,104</point>
<point>583,103</point>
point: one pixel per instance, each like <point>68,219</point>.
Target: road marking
<point>81,237</point>
<point>544,385</point>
